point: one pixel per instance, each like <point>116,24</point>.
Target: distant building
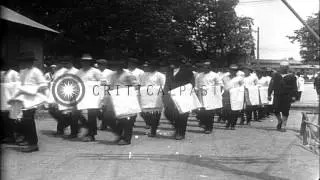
<point>297,66</point>
<point>21,34</point>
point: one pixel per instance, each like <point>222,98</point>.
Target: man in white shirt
<point>64,118</point>
<point>121,127</point>
<point>134,70</point>
<point>106,72</point>
<point>88,73</point>
<point>250,79</point>
<point>300,84</point>
<point>151,77</point>
<point>30,76</point>
<point>9,75</point>
<point>206,78</point>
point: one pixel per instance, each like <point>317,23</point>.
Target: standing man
<point>300,84</point>
<point>121,127</point>
<point>206,79</point>
<point>31,77</point>
<point>64,118</point>
<point>105,79</point>
<point>88,73</point>
<point>177,76</point>
<point>9,75</point>
<point>284,87</point>
<point>231,81</point>
<point>316,84</point>
<point>151,77</point>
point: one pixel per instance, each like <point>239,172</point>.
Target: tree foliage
<point>308,43</point>
<point>142,28</point>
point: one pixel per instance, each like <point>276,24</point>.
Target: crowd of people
<point>18,120</point>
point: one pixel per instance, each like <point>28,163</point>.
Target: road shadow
<point>214,163</point>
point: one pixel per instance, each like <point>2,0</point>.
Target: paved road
<point>257,152</point>
<point>309,96</point>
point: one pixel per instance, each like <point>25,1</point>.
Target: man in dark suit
<point>283,85</point>
<point>177,75</point>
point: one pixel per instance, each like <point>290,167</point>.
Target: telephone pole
<point>258,47</point>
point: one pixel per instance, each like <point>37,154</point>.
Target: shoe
<point>23,143</point>
<point>88,139</point>
<point>19,139</point>
<point>57,134</point>
<point>279,127</point>
<point>31,148</point>
<point>123,142</point>
<point>151,135</point>
<point>179,137</point>
<point>283,130</point>
<point>71,136</point>
<point>208,131</point>
<point>226,127</point>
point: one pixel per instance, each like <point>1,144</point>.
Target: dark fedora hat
<point>27,56</point>
<point>102,61</point>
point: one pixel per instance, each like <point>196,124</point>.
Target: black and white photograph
<point>160,90</point>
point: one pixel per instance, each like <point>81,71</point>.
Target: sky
<point>275,22</point>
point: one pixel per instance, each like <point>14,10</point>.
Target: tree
<point>198,29</point>
<point>308,44</point>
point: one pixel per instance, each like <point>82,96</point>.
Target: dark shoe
<point>151,135</point>
<point>19,139</point>
<point>71,136</point>
<point>123,142</point>
<point>279,127</point>
<point>57,134</point>
<point>23,143</point>
<point>179,137</point>
<point>30,148</point>
<point>208,131</point>
<point>88,139</point>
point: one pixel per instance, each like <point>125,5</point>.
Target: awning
<point>12,16</point>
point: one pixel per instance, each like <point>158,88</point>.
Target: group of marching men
<point>235,92</point>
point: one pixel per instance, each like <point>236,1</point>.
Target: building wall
<point>19,38</point>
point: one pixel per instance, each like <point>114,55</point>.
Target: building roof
<point>12,16</point>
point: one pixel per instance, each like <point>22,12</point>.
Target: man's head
<point>102,64</point>
<point>132,63</point>
<point>86,61</point>
<point>284,67</point>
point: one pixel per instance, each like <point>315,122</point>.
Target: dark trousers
<point>206,118</point>
<point>29,127</point>
<point>179,121</point>
<point>7,126</point>
<point>63,120</point>
<point>121,127</point>
<point>152,119</point>
<point>299,95</point>
<point>89,121</point>
<point>232,117</point>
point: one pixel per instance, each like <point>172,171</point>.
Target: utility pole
<point>258,47</point>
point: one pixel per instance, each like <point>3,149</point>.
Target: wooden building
<point>19,34</point>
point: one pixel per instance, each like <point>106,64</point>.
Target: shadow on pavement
<point>216,163</point>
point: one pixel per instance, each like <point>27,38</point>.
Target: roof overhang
<point>12,16</point>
